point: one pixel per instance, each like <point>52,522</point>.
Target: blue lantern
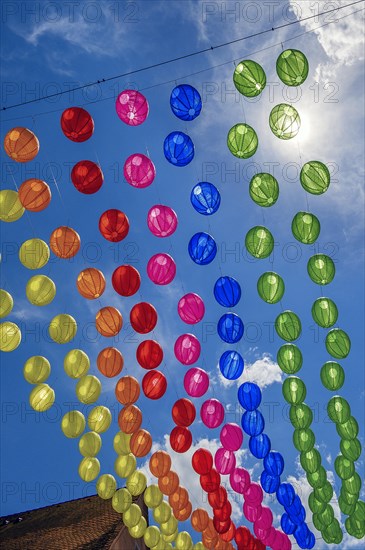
<point>301,535</point>
<point>249,396</point>
<point>310,540</point>
<point>202,248</point>
<point>205,198</point>
<point>287,525</point>
<point>285,494</point>
<point>253,422</point>
<point>185,102</point>
<point>296,511</point>
<point>178,148</point>
<point>260,445</point>
<point>274,463</point>
<point>227,291</point>
<point>230,328</point>
<point>231,365</point>
<point>269,483</point>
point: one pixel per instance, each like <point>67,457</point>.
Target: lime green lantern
<point>76,363</point>
<point>327,515</point>
<point>11,209</point>
<point>352,485</point>
<point>316,506</point>
<point>121,500</point>
<point>317,478</point>
<point>345,507</point>
<point>106,486</point>
<point>338,409</point>
<point>132,516</point>
<point>303,440</point>
<point>359,512</point>
<point>73,424</point>
<point>242,141</point>
<point>264,190</point>
<point>183,541</point>
<point>162,512</point>
<point>324,312</point>
<point>99,419</point>
<point>344,467</point>
<point>315,177</point>
<point>349,498</point>
<point>338,343</point>
<point>152,536</point>
<point>321,269</point>
<point>288,326</point>
<point>270,287</point>
<point>332,376</point>
<point>348,430</point>
<point>6,303</point>
<point>301,416</point>
<point>121,443</point>
<point>89,468</point>
<point>62,329</point>
<point>289,358</point>
<point>10,336</point>
<point>136,483</point>
<point>88,389</point>
<point>325,492</point>
<point>36,369</point>
<point>199,546</point>
<point>249,78</point>
<point>152,496</point>
<point>259,242</point>
<point>42,397</point>
<point>138,530</point>
<point>294,390</point>
<point>125,465</point>
<point>40,290</point>
<point>332,534</point>
<point>292,67</point>
<point>90,444</point>
<point>169,527</point>
<point>34,253</point>
<point>168,540</point>
<point>351,449</point>
<point>305,227</point>
<point>284,121</point>
<point>355,527</point>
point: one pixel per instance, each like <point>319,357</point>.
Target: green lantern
<point>121,500</point>
<point>327,515</point>
<point>121,443</point>
<point>284,121</point>
<point>242,141</point>
<point>348,430</point>
<point>162,512</point>
<point>317,478</point>
<point>344,467</point>
<point>345,507</point>
<point>40,290</point>
<point>183,541</point>
<point>152,496</point>
<point>125,465</point>
<point>152,536</point>
<point>349,498</point>
<point>317,522</point>
<point>6,303</point>
<point>73,424</point>
<point>62,329</point>
<point>270,287</point>
<point>136,483</point>
<point>88,389</point>
<point>42,397</point>
<point>76,363</point>
<point>315,177</point>
<point>310,460</point>
<point>90,444</point>
<point>332,534</point>
<point>321,269</point>
<point>294,390</point>
<point>292,67</point>
<point>324,312</point>
<point>352,485</point>
<point>249,78</point>
<point>138,530</point>
<point>301,416</point>
<point>305,227</point>
<point>264,189</point>
<point>106,486</point>
<point>288,326</point>
<point>169,527</point>
<point>289,358</point>
<point>36,369</point>
<point>303,440</point>
<point>132,516</point>
<point>315,505</point>
<point>11,209</point>
<point>338,409</point>
<point>338,343</point>
<point>354,527</point>
<point>34,253</point>
<point>359,512</point>
<point>259,242</point>
<point>350,448</point>
<point>99,419</point>
<point>324,493</point>
<point>332,376</point>
<point>89,468</point>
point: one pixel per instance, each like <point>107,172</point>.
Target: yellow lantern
<point>121,443</point>
<point>138,530</point>
<point>11,209</point>
<point>162,513</point>
<point>34,254</point>
<point>152,496</point>
<point>42,397</point>
<point>106,486</point>
<point>10,336</point>
<point>125,465</point>
<point>89,468</point>
<point>90,444</point>
<point>122,500</point>
<point>99,419</point>
<point>36,369</point>
<point>73,424</point>
<point>62,329</point>
<point>136,483</point>
<point>152,536</point>
<point>88,389</point>
<point>40,290</point>
<point>76,363</point>
<point>132,516</point>
<point>6,303</point>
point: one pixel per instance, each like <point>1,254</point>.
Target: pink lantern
<point>231,437</point>
<point>191,308</point>
<point>281,541</point>
<point>270,537</point>
<point>161,220</point>
<point>196,382</point>
<point>187,349</point>
<point>239,480</point>
<point>251,512</point>
<point>264,521</point>
<point>212,413</point>
<point>161,269</point>
<point>224,461</point>
<point>139,171</point>
<point>132,107</point>
<point>254,494</point>
<point>259,532</point>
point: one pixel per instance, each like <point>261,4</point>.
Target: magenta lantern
<point>239,480</point>
<point>254,494</point>
<point>191,308</point>
<point>270,537</point>
<point>139,171</point>
<point>196,382</point>
<point>161,220</point>
<point>224,461</point>
<point>131,107</point>
<point>251,512</point>
<point>161,269</point>
<point>212,413</point>
<point>264,521</point>
<point>231,437</point>
<point>187,349</point>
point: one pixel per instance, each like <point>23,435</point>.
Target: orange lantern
<point>199,519</point>
<point>184,513</point>
<point>127,390</point>
<point>109,321</point>
<point>140,443</point>
<point>229,535</point>
<point>179,499</point>
<point>35,195</point>
<point>64,242</point>
<point>90,283</point>
<point>110,362</point>
<point>160,463</point>
<point>210,536</point>
<point>169,483</point>
<point>130,419</point>
<point>21,144</point>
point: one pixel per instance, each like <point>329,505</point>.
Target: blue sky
<point>53,50</point>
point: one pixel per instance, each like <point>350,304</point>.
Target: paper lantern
<point>141,443</point>
<point>183,541</point>
<point>90,283</point>
<point>185,102</point>
<point>202,461</point>
<point>88,389</point>
<point>251,512</point>
<point>161,269</point>
<point>303,440</point>
<point>187,349</point>
<point>40,290</point>
<point>122,500</point>
<point>301,416</point>
<point>230,328</point>
<point>89,469</point>
<point>149,354</point>
<point>274,463</point>
<point>183,412</point>
<point>130,419</point>
<point>318,478</point>
<point>231,437</point>
<point>344,467</point>
<point>110,362</point>
<point>36,369</point>
<point>154,385</point>
<point>162,512</point>
<point>34,254</point>
<point>131,107</point>
<point>264,189</point>
<point>114,227</point>
<point>64,242</point>
<point>34,195</point>
<point>225,461</point>
<point>121,443</point>
<point>253,422</point>
<point>126,280</point>
<point>136,483</point>
<point>306,227</point>
<point>352,485</point>
<point>259,242</point>
<point>338,409</point>
<point>229,534</point>
<point>324,312</point>
<point>249,396</point>
<point>191,308</point>
<point>284,121</point>
<point>321,269</point>
<point>239,480</point>
<point>196,382</point>
<point>338,343</point>
<point>270,287</point>
<point>231,365</point>
<point>294,390</point>
<point>162,220</point>
<point>132,516</point>
<point>138,530</point>
<point>21,144</point>
<point>202,248</point>
<point>152,496</point>
<point>77,124</point>
<point>76,363</point>
<point>289,358</point>
<point>332,376</point>
<point>242,141</point>
<point>6,303</point>
<point>315,177</point>
<point>169,529</point>
<point>143,317</point>
<point>350,448</point>
<point>199,519</point>
<point>227,291</point>
<point>310,460</point>
<point>288,326</point>
<point>99,419</point>
<point>90,444</point>
<point>205,198</point>
<point>221,526</point>
<point>178,149</point>
<point>108,321</point>
<point>73,424</point>
<point>254,494</point>
<point>292,67</point>
<point>260,445</point>
<point>169,483</point>
<point>42,397</point>
<point>160,463</point>
<point>125,465</point>
<point>139,171</point>
<point>62,329</point>
<point>212,413</point>
<point>348,429</point>
<point>249,78</point>
<point>180,439</point>
<point>87,177</point>
<point>11,209</point>
<point>210,482</point>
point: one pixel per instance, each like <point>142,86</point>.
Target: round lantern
<point>284,121</point>
<point>161,220</point>
<point>110,362</point>
<point>187,349</point>
<point>338,343</point>
<point>231,437</point>
<point>88,389</point>
<point>99,419</point>
<point>34,195</point>
<point>303,440</point>
<point>225,461</point>
<point>64,242</point>
<point>152,496</point>
<point>196,382</point>
<point>21,144</point>
<point>274,463</point>
<point>306,227</point>
<point>191,308</point>
<point>139,171</point>
<point>154,385</point>
<point>169,483</point>
<point>253,422</point>
<point>62,328</point>
<point>77,124</point>
<point>230,328</point>
<point>249,78</point>
<point>40,290</point>
<point>73,424</point>
<point>143,317</point>
<point>205,198</point>
<point>90,283</point>
<point>259,242</point>
<point>338,409</point>
<point>114,225</point>
<point>76,363</point>
<point>202,248</point>
<point>108,321</point>
<point>264,189</point>
<point>149,354</point>
<point>202,461</point>
<point>126,280</point>
<point>301,416</point>
<point>127,390</point>
<point>121,443</point>
<point>288,326</point>
<point>348,429</point>
<point>183,412</point>
<point>210,482</point>
<point>36,369</point>
<point>42,397</point>
<point>227,291</point>
<point>160,463</point>
<point>270,287</point>
<point>292,67</point>
<point>161,269</point>
<point>178,149</point>
<point>34,253</point>
<point>324,312</point>
<point>289,358</point>
<point>122,500</point>
<point>212,413</point>
<point>89,468</point>
<point>90,444</point>
<point>249,396</point>
<point>260,445</point>
<point>231,365</point>
<point>131,107</point>
<point>185,102</point>
<point>294,390</point>
<point>125,465</point>
<point>130,419</point>
<point>199,519</point>
<point>11,209</point>
<point>242,141</point>
<point>87,177</point>
<point>315,177</point>
<point>181,439</point>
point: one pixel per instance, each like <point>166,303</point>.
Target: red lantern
<point>229,535</point>
<point>126,280</point>
<point>154,385</point>
<point>224,513</point>
<point>183,412</point>
<point>149,354</point>
<point>143,317</point>
<point>87,177</point>
<point>114,225</point>
<point>202,461</point>
<point>242,537</point>
<point>77,124</point>
<point>218,498</point>
<point>210,482</point>
<point>221,526</point>
<point>181,439</point>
